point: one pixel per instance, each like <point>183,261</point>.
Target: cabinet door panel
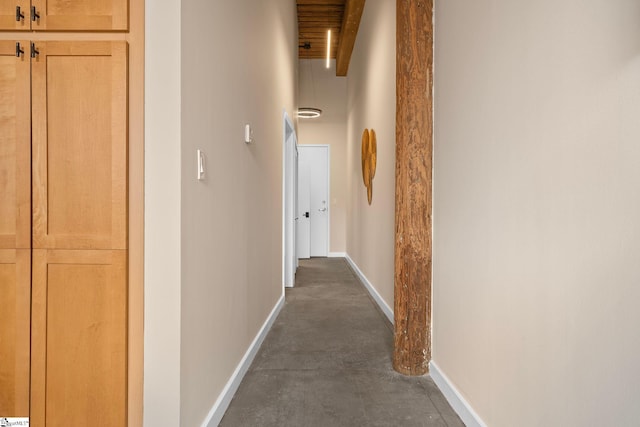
<point>79,119</point>
<point>8,20</point>
<point>15,294</point>
<point>79,338</point>
<point>15,147</point>
<point>79,15</point>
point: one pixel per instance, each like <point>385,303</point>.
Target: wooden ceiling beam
<point>350,23</point>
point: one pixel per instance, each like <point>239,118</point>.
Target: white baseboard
<point>220,407</point>
<point>459,404</point>
<point>374,293</point>
<point>337,255</point>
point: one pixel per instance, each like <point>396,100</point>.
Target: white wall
<point>213,255</point>
<point>320,88</point>
<point>537,201</point>
<point>162,216</point>
<point>239,65</point>
<point>371,102</point>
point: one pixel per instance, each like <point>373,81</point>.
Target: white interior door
<point>319,201</point>
<point>313,193</point>
<point>303,236</point>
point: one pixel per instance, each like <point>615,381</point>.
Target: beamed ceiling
<point>316,17</point>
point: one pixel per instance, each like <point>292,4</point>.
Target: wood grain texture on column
<point>414,149</point>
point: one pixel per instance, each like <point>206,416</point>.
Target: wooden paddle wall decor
<point>369,160</point>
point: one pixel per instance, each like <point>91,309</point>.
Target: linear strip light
<point>329,49</point>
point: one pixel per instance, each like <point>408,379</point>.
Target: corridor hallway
<point>327,362</point>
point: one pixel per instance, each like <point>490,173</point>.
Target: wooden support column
<point>414,164</point>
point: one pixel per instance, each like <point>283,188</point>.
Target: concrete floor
<point>327,362</point>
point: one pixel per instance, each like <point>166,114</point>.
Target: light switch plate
<point>200,165</point>
<point>248,134</point>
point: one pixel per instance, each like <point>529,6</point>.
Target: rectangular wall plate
<point>200,165</point>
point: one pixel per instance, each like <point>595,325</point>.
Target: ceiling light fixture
<point>329,49</point>
<point>309,112</point>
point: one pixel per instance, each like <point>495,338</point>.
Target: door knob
<point>322,210</point>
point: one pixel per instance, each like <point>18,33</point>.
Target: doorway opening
<point>313,201</point>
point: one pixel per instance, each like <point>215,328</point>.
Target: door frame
<point>289,201</point>
<point>328,146</point>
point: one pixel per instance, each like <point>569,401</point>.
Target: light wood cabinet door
<point>15,309</point>
<point>12,19</point>
<point>79,151</point>
<point>81,15</point>
<point>79,338</point>
<point>15,147</point>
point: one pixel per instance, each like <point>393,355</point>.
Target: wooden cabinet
<point>79,331</point>
<point>15,15</point>
<point>63,232</point>
<point>15,297</point>
<point>15,231</point>
<point>79,234</point>
<point>80,145</point>
<point>15,148</point>
<point>64,15</point>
